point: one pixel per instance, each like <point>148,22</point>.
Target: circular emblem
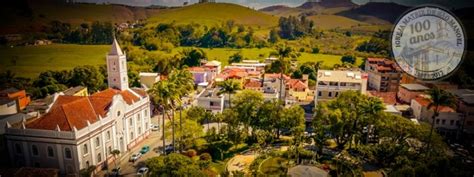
<point>428,43</point>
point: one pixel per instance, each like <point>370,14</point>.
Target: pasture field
<point>29,61</point>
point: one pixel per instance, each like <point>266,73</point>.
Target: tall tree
<point>438,98</point>
<point>283,53</point>
<point>229,86</point>
<point>163,93</point>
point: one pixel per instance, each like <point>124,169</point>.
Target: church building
<point>81,131</point>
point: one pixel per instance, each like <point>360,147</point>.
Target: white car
<point>135,157</point>
<point>154,127</point>
<point>142,171</point>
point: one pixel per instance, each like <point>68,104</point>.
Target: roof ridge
<point>65,116</point>
<point>90,104</point>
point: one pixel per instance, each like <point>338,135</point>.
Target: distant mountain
<point>212,14</point>
<point>327,4</point>
<point>375,12</point>
<point>32,15</point>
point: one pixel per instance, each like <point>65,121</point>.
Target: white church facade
<point>81,131</point>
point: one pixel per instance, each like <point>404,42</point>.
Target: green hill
<point>212,14</point>
<point>30,16</point>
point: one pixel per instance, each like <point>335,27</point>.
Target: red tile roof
<point>296,84</point>
<point>68,112</point>
<point>197,69</point>
<point>383,64</point>
<point>253,84</point>
<point>128,96</point>
<point>425,102</point>
<point>276,75</point>
<point>387,97</point>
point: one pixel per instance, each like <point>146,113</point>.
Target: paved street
<point>153,140</point>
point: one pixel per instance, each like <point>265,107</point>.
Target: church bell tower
<point>117,68</point>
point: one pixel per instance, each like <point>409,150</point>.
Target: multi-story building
<point>81,131</point>
<point>384,74</point>
<point>331,83</point>
<point>407,92</point>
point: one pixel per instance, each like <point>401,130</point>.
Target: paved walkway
<point>241,162</point>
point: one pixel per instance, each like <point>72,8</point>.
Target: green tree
<point>192,57</point>
<point>115,153</point>
<point>236,58</point>
<point>348,59</point>
<point>273,36</point>
<point>162,94</point>
<point>283,53</point>
<point>173,165</point>
<point>88,76</point>
<point>189,135</point>
<point>247,103</point>
<point>229,86</point>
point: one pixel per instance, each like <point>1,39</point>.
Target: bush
<point>190,153</point>
<point>205,156</point>
<point>315,50</point>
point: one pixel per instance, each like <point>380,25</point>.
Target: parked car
<point>154,127</point>
<point>168,149</point>
<point>115,172</point>
<point>135,157</point>
<point>145,149</point>
<point>142,171</point>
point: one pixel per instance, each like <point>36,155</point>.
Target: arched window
<point>85,150</point>
<point>97,142</point>
<point>99,157</point>
<point>50,151</point>
<point>34,150</point>
<point>67,153</point>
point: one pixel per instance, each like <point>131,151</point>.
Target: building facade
<point>331,83</point>
<point>407,92</point>
<point>384,74</point>
<point>81,131</point>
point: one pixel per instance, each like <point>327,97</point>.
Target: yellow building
<point>76,91</point>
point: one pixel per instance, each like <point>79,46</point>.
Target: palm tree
<point>115,153</point>
<point>163,93</point>
<point>438,98</point>
<point>283,52</point>
<point>184,84</point>
<point>229,86</point>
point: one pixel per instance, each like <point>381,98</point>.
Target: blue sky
<point>264,3</point>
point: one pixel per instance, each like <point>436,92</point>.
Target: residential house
<point>210,100</point>
<point>199,75</point>
<point>465,106</point>
<point>384,74</point>
<point>20,98</point>
<point>148,79</point>
<point>447,122</point>
<point>331,83</point>
<point>407,92</point>
<point>80,131</point>
<point>299,89</point>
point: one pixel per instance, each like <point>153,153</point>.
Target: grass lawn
<point>31,60</point>
<point>273,166</point>
<point>223,54</point>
